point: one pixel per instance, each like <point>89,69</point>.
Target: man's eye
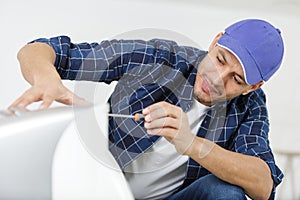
<point>236,80</point>
<point>219,60</point>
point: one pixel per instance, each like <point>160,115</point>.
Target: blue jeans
<point>209,187</point>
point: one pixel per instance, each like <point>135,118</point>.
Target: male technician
<point>207,106</point>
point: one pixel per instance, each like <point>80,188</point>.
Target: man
<point>205,134</point>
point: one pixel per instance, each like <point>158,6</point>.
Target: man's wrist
<point>46,73</point>
<point>199,148</point>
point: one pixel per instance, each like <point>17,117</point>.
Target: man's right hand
<point>36,62</point>
<point>47,95</point>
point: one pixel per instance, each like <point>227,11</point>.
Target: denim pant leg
<point>209,187</point>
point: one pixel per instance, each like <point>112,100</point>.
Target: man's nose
<point>220,77</point>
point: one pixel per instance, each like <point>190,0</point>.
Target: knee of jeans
<point>218,189</point>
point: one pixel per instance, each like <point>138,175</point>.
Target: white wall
<point>93,20</point>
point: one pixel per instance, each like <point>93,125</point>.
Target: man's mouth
<point>207,87</point>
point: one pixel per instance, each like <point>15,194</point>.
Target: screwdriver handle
<point>139,117</point>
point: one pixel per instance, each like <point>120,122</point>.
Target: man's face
<point>220,77</point>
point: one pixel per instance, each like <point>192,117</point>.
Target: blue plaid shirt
<point>160,70</point>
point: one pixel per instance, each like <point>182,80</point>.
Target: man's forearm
<point>250,173</point>
<point>36,61</point>
<point>37,65</point>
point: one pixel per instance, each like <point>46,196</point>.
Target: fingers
<point>71,99</point>
<point>161,123</point>
<point>162,119</point>
<point>25,99</point>
<point>47,96</point>
<point>47,101</point>
<point>169,121</point>
<point>78,101</point>
<point>166,127</point>
<point>166,132</point>
<point>160,110</point>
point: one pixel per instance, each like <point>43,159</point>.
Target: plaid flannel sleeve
<point>106,61</point>
<point>252,139</point>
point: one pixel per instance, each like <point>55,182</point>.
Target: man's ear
<point>253,87</point>
<point>214,42</point>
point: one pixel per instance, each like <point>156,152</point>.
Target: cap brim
<point>251,72</point>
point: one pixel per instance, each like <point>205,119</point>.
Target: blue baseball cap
<point>257,45</point>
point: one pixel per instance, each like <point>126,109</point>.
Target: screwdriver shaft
<point>120,115</point>
<point>136,117</point>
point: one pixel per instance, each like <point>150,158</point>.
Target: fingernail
<point>148,118</point>
<point>146,111</point>
<point>147,125</point>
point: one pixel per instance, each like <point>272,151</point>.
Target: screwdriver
<point>136,117</point>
